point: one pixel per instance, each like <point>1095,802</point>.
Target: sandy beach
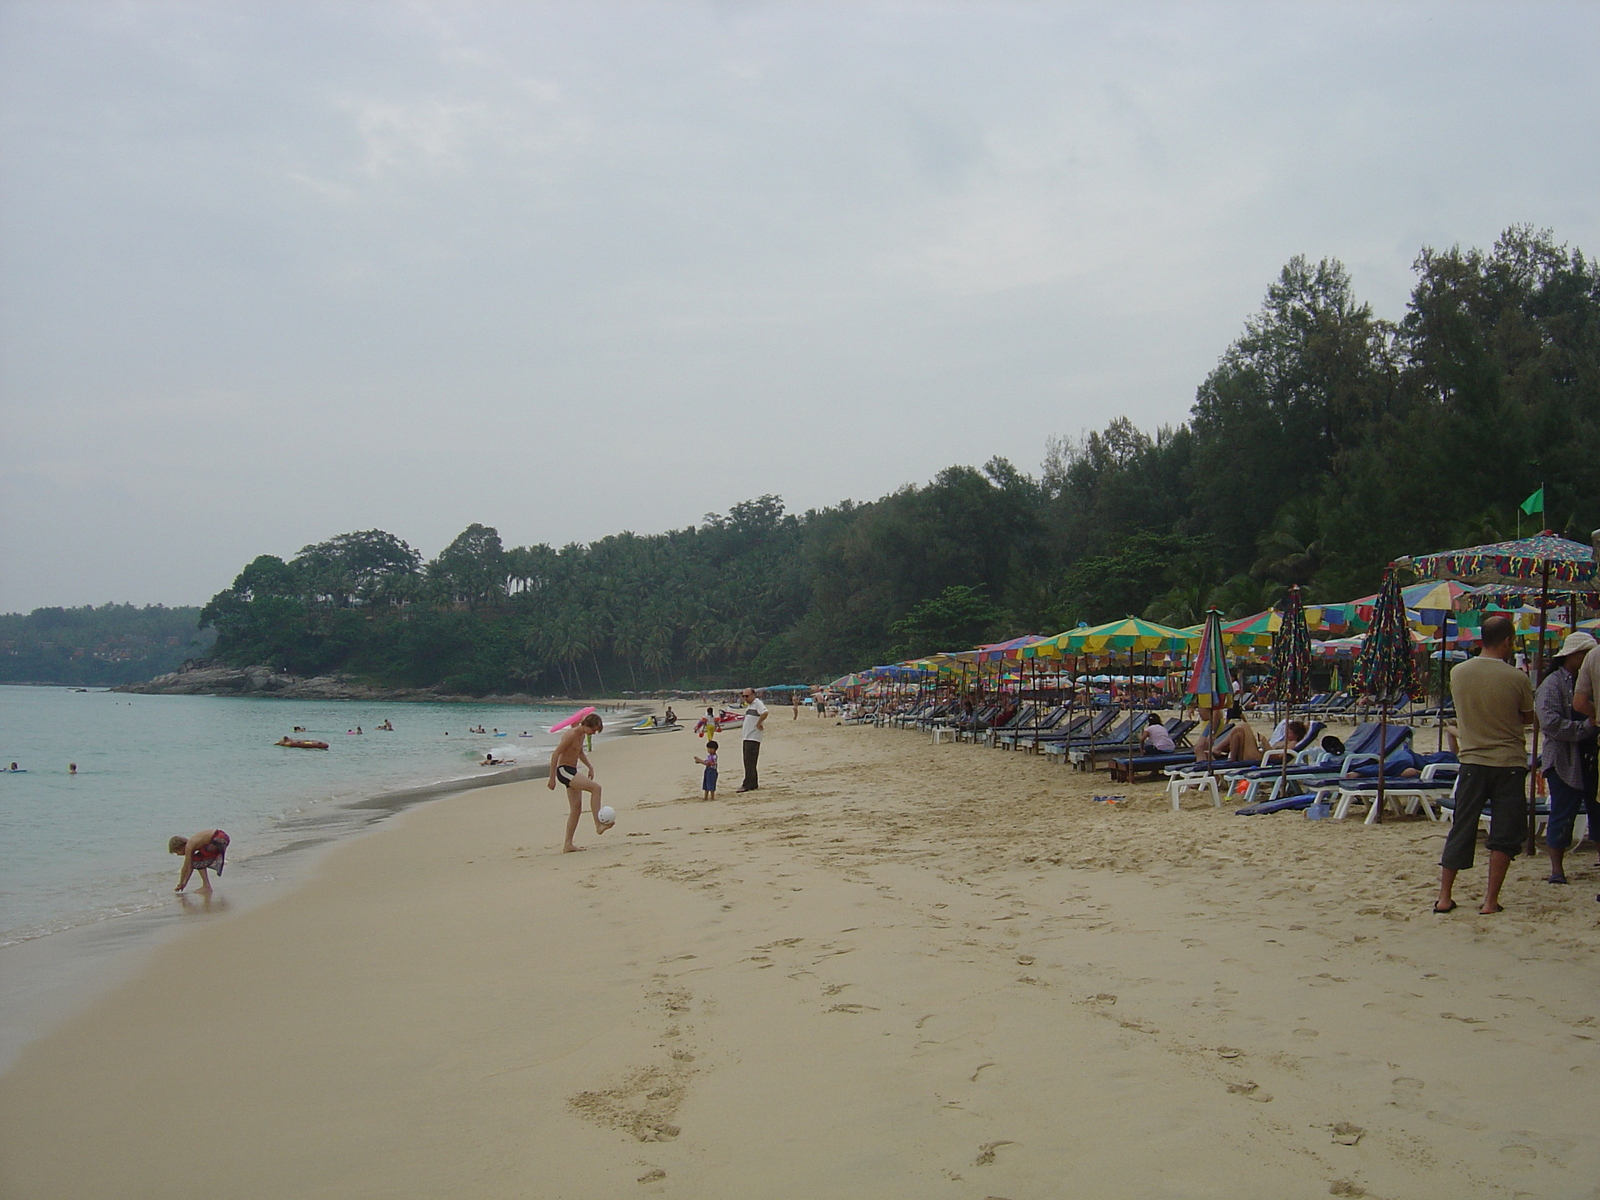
<point>897,970</point>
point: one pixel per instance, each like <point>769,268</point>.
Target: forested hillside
<point>1325,442</point>
<point>98,647</point>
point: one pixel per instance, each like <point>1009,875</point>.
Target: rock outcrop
<point>213,679</point>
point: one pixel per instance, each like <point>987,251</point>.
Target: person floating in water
<point>205,851</point>
<point>72,768</point>
<point>387,726</point>
<point>564,769</point>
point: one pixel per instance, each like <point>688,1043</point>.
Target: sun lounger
<point>1318,768</point>
<point>1057,726</point>
<point>1437,783</point>
<point>1128,768</point>
<point>1095,728</point>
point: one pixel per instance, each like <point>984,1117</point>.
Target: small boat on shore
<point>651,725</point>
<point>301,743</point>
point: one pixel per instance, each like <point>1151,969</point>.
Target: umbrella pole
<point>1283,719</point>
<point>1383,746</point>
<point>1533,773</point>
<point>1444,657</point>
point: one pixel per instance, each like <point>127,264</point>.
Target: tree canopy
<point>1325,442</point>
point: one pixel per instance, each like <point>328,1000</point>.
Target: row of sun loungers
<point>1343,779</point>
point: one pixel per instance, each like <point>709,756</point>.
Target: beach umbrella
<point>1385,668</point>
<point>1210,687</point>
<point>1007,651</point>
<point>1132,634</point>
<point>1258,630</point>
<point>1545,560</point>
<point>1290,681</point>
<point>1129,633</point>
<point>1334,620</point>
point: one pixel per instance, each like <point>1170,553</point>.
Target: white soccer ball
<point>607,815</point>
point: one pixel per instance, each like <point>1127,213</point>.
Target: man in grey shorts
<point>1494,705</point>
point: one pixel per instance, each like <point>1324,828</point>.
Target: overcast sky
<point>274,271</point>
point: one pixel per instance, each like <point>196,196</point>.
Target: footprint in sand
<point>1407,1092</point>
<point>986,1152</point>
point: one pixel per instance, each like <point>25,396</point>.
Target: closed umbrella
<point>1210,687</point>
<point>1385,668</point>
<point>1290,681</point>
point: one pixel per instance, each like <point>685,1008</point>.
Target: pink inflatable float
<point>572,720</point>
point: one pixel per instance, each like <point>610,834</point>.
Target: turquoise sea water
<point>80,848</point>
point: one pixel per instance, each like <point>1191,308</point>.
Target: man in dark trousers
<point>1494,705</point>
<point>755,720</point>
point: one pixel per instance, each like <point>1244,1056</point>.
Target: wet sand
<point>896,970</point>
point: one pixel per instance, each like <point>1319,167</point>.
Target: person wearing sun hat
<point>1567,755</point>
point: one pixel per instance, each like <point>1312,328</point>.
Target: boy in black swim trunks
<point>564,768</point>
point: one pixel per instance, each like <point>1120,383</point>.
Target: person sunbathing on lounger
<point>1239,743</point>
<point>1288,735</point>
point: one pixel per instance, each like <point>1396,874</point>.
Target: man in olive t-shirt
<point>1494,704</point>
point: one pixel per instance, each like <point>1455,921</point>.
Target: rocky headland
<point>215,679</point>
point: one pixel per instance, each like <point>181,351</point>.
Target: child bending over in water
<point>708,784</point>
<point>564,768</point>
<point>205,851</point>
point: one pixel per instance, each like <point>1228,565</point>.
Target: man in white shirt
<point>755,719</point>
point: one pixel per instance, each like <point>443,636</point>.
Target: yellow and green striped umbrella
<point>1128,634</point>
<point>1258,630</point>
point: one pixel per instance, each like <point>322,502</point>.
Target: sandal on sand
<point>1452,907</point>
<point>1556,879</point>
<point>1491,912</point>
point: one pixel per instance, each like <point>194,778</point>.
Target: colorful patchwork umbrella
<point>1210,685</point>
<point>1290,682</point>
<point>1548,560</point>
<point>1005,651</point>
<point>1334,620</point>
<point>1385,668</point>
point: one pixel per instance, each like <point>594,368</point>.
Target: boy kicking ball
<point>564,768</point>
<point>708,784</point>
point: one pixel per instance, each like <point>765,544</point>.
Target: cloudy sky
<point>273,271</point>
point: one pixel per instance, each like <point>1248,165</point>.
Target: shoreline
<point>48,976</point>
<point>898,969</point>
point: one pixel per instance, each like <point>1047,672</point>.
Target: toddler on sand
<point>709,762</point>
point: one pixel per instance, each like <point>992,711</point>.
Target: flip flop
<point>1492,911</point>
<point>1452,908</point>
<point>1556,879</point>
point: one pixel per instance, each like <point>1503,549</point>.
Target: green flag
<point>1534,503</point>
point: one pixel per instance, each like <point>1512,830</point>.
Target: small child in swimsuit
<point>708,784</point>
